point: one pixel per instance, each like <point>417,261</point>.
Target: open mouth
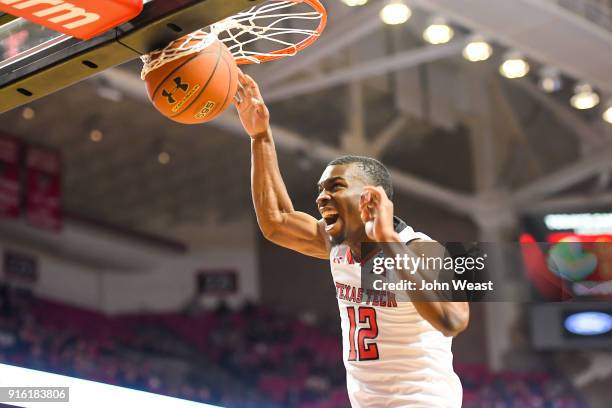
<point>331,218</point>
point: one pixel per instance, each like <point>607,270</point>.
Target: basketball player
<point>396,354</point>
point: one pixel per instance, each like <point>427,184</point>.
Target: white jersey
<point>393,357</point>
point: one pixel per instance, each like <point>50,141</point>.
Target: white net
<point>264,32</point>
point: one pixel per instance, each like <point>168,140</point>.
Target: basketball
<point>195,88</point>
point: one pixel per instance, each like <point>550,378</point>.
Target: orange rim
<point>292,50</point>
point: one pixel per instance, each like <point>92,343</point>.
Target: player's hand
<point>252,110</point>
<point>377,214</point>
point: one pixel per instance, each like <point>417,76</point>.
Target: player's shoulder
<point>427,247</point>
<point>417,241</point>
<point>406,232</point>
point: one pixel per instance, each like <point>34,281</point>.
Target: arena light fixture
<point>514,66</point>
<point>607,114</point>
<point>28,113</point>
<point>96,135</point>
<point>477,50</point>
<point>163,157</point>
<point>395,12</point>
<point>438,32</point>
<point>354,3</point>
<point>584,97</point>
<point>550,79</point>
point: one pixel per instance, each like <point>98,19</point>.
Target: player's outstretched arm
<point>277,219</point>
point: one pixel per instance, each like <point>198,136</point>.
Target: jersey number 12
<point>360,350</point>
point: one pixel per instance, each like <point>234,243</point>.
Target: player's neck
<point>359,243</point>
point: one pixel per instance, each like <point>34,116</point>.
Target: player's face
<point>340,189</point>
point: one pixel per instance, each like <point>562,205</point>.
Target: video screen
<point>568,255</point>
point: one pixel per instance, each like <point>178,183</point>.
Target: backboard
<point>35,61</point>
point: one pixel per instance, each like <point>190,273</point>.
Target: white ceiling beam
<point>353,138</point>
<point>348,30</point>
<point>381,66</point>
<point>589,138</point>
<point>293,142</point>
<point>382,140</point>
<point>406,183</point>
<point>564,178</point>
<point>542,30</point>
<point>513,125</point>
<point>485,160</point>
<point>570,202</point>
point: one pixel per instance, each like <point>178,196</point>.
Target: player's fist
<point>377,214</point>
<point>252,110</point>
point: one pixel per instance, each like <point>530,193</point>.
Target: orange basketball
<point>195,88</point>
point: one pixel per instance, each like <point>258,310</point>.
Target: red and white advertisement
<point>43,188</point>
<point>10,186</point>
<point>82,19</point>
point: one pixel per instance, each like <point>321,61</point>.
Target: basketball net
<point>241,31</point>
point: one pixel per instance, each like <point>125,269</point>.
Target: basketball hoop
<point>261,34</point>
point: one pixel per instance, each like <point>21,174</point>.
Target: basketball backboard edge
<point>68,62</point>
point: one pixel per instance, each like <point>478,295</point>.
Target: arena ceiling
<point>454,132</point>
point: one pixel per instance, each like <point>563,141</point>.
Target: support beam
<point>387,135</point>
<point>365,70</point>
<point>564,178</point>
<point>590,139</point>
<point>353,139</point>
<point>543,30</point>
<point>350,29</point>
<point>292,142</point>
<point>485,170</point>
<point>571,202</point>
<point>514,125</point>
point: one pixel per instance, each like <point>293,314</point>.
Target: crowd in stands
<point>249,358</point>
<point>483,389</point>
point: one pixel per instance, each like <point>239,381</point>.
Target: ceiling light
<point>550,79</point>
<point>96,135</point>
<point>514,66</point>
<point>395,12</point>
<point>477,50</point>
<point>163,158</point>
<point>28,113</point>
<point>607,115</point>
<point>584,97</point>
<point>438,32</point>
<point>353,3</point>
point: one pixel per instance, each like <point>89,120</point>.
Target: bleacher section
<point>248,358</point>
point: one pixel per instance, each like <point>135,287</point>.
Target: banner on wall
<point>217,282</point>
<point>10,177</point>
<point>43,188</point>
<point>20,266</point>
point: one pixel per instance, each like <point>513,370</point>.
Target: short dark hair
<point>375,170</point>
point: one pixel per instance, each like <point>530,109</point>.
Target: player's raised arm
<point>450,318</point>
<point>277,219</point>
